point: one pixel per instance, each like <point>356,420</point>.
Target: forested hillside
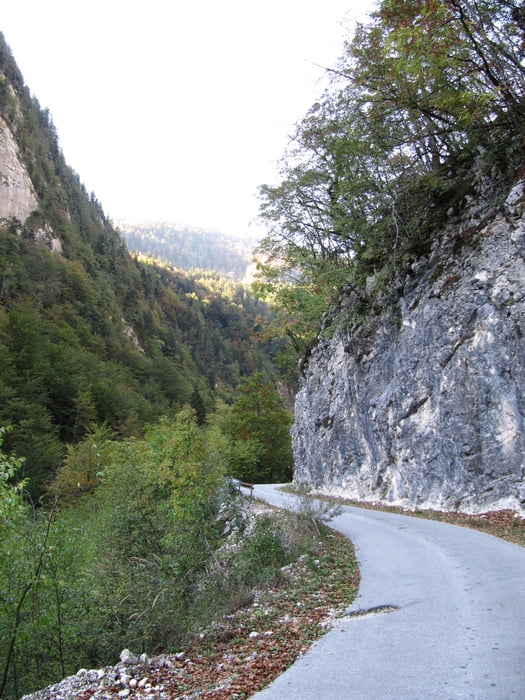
<point>90,335</point>
<point>130,395</point>
<point>190,248</point>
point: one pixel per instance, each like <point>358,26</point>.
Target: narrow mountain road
<point>440,614</point>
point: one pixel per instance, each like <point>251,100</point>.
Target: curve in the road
<point>440,615</point>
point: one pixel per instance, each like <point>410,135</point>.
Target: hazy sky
<point>177,109</point>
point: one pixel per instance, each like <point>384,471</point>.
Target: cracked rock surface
<point>17,197</point>
<point>422,405</point>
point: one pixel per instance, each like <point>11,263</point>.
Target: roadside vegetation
<point>137,542</point>
<point>242,652</point>
<point>501,523</point>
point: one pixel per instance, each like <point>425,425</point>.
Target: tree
<point>261,422</point>
<point>435,72</point>
<point>83,466</point>
<point>197,403</point>
<point>21,564</point>
<point>318,218</point>
<point>371,167</point>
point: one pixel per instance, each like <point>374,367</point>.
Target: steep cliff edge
<point>423,405</point>
<point>17,197</point>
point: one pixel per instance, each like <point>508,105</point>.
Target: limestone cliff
<point>17,198</point>
<point>423,404</point>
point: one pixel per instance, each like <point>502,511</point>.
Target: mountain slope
<point>89,334</point>
<point>189,248</point>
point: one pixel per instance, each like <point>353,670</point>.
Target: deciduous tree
<point>365,176</point>
<point>260,420</point>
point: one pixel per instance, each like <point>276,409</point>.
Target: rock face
<point>423,405</point>
<point>17,198</point>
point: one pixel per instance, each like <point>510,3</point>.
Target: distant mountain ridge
<point>189,248</point>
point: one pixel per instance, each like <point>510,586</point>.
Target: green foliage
<point>198,406</point>
<point>23,552</point>
<point>277,538</point>
<point>11,503</point>
<point>259,431</point>
<point>141,555</point>
<point>120,565</point>
<point>264,552</point>
<point>244,458</point>
<point>447,68</point>
<point>300,300</point>
<point>95,346</point>
<point>83,466</point>
<point>375,164</point>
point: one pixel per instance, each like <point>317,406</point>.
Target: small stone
<point>163,662</point>
<point>124,679</point>
<point>516,194</point>
<point>128,658</point>
<point>252,635</point>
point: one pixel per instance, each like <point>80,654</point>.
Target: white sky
<point>177,109</point>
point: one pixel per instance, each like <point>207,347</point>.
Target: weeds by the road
<point>501,523</point>
<point>243,652</point>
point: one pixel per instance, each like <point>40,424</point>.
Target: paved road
<point>457,625</point>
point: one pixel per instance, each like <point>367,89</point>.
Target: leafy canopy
<point>365,178</point>
<point>259,430</point>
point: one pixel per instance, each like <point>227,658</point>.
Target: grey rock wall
<point>424,406</point>
<point>17,198</point>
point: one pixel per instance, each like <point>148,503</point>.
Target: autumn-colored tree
<point>433,72</point>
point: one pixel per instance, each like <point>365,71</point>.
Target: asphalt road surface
<point>440,614</point>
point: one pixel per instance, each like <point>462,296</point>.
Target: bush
<point>311,512</point>
<point>263,551</point>
<point>158,546</point>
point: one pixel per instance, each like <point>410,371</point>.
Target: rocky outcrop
<point>423,405</point>
<point>17,197</point>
